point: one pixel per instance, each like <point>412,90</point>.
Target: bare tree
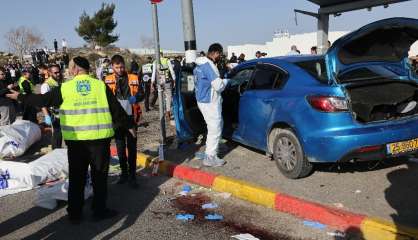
<point>147,42</point>
<point>22,39</point>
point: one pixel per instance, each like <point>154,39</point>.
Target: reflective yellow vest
<point>84,112</point>
<point>164,69</point>
<point>51,82</point>
<point>20,82</point>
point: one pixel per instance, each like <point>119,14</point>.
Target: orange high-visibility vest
<point>134,85</point>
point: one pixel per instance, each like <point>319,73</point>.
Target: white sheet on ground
<point>47,196</point>
<point>20,177</point>
<point>25,176</point>
<point>16,138</point>
<point>50,167</point>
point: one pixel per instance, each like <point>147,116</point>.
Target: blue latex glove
<point>214,217</point>
<point>132,99</point>
<point>48,120</point>
<point>184,217</point>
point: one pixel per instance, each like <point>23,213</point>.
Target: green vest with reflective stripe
<point>84,112</point>
<point>20,82</point>
<point>164,67</point>
<point>51,82</point>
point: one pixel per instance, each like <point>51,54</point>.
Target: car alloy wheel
<point>289,155</point>
<point>286,153</point>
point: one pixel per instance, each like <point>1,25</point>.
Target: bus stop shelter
<point>336,8</point>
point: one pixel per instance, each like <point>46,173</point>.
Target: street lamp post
<point>160,89</point>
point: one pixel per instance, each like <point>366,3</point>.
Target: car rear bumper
<point>334,145</point>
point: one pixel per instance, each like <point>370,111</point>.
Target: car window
<point>316,68</point>
<point>372,72</point>
<point>267,77</point>
<point>241,77</point>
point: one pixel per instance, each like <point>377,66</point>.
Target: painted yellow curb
<point>378,229</point>
<point>245,191</point>
<point>371,228</point>
<point>143,160</point>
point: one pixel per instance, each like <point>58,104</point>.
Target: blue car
<point>358,102</point>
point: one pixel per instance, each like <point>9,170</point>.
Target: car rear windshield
<point>316,68</point>
<point>372,72</point>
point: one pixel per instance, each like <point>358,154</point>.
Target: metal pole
<point>160,90</point>
<point>322,35</point>
<point>189,31</point>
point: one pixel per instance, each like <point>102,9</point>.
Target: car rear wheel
<point>289,156</point>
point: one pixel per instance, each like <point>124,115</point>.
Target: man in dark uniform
<point>146,73</point>
<point>88,113</point>
<point>26,87</point>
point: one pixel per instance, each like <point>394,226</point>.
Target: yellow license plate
<point>402,147</point>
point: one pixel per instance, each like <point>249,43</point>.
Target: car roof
<point>290,59</point>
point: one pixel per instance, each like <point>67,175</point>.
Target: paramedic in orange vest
<point>126,88</point>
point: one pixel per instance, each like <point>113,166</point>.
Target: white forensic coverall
<point>208,88</point>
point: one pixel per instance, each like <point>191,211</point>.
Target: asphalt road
<point>149,213</point>
<point>387,189</point>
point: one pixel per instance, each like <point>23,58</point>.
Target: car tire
<point>288,155</point>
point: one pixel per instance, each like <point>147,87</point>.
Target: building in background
<point>150,51</point>
<point>283,40</point>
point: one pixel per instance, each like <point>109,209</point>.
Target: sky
<point>229,22</point>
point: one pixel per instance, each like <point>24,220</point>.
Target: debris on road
<point>223,195</point>
<point>214,217</point>
<point>314,224</point>
<point>192,204</point>
<point>249,228</point>
<point>209,206</point>
<point>337,234</point>
<point>183,193</point>
<point>338,205</point>
<point>245,236</point>
<point>187,188</point>
<point>184,217</point>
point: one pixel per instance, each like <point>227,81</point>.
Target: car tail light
<point>369,149</point>
<point>328,104</point>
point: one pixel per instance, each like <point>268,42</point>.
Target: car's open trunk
<point>383,100</point>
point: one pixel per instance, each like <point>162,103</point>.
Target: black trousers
<point>147,90</point>
<point>56,133</point>
<point>123,139</point>
<point>29,113</point>
<point>81,154</point>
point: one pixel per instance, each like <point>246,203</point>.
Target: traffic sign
<point>155,1</point>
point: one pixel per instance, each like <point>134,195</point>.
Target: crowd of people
<point>87,112</point>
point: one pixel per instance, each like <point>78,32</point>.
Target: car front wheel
<point>289,156</point>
